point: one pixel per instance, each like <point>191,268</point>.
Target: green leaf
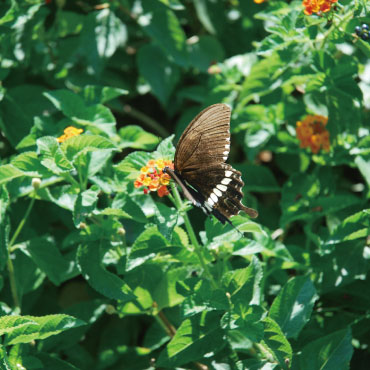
<point>30,328</point>
<point>364,168</point>
<point>4,361</point>
<point>135,137</point>
<point>277,343</point>
<point>147,245</point>
<point>166,219</point>
<point>94,94</point>
<point>85,204</point>
<point>82,144</point>
<point>9,172</point>
<point>259,179</point>
<point>106,283</point>
<point>244,284</point>
<point>132,163</point>
<point>162,76</point>
<point>331,352</point>
<point>95,117</point>
<point>49,260</point>
<point>353,227</point>
<point>52,157</point>
<point>4,226</point>
<point>196,336</point>
<point>162,25</point>
<point>292,308</point>
<point>206,52</point>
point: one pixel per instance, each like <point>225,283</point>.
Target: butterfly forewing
<point>206,141</point>
<point>200,161</point>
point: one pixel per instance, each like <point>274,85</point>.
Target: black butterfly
<point>200,168</point>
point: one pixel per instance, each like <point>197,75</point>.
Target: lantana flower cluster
<point>153,178</point>
<point>69,132</point>
<point>317,6</point>
<point>312,133</point>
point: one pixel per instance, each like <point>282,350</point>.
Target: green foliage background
<point>96,275</point>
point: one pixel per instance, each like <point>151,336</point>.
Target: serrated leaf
<point>51,155</point>
<point>292,308</point>
<point>40,327</point>
<point>103,281</point>
<point>277,343</point>
<point>4,226</point>
<point>82,144</point>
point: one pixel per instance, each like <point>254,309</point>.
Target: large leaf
<point>292,308</point>
<point>103,281</point>
<point>25,329</point>
<point>196,336</point>
<point>162,76</point>
<point>331,352</point>
<point>277,343</point>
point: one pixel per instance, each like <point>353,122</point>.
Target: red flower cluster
<point>152,177</point>
<point>317,6</point>
<point>312,133</point>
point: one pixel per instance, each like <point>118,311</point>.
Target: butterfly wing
<point>200,160</point>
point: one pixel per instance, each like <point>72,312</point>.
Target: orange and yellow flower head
<point>311,132</point>
<point>317,6</point>
<point>153,178</point>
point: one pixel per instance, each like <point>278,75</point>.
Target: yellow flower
<point>69,132</point>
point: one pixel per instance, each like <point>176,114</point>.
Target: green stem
<point>69,178</point>
<point>190,230</point>
<point>12,281</point>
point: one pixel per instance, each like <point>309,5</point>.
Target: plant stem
<point>12,281</point>
<point>148,121</point>
<point>190,230</point>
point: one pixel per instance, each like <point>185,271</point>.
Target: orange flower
<point>317,6</point>
<point>152,177</point>
<point>69,132</point>
<point>259,1</point>
<point>311,132</point>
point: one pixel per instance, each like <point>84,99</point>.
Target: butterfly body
<point>200,168</point>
